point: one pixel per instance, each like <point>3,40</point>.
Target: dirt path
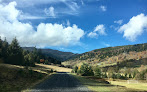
<point>60,82</point>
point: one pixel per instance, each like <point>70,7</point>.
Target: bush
<point>104,75</point>
<point>118,76</point>
<point>97,72</point>
<point>130,76</point>
<point>85,70</point>
<point>75,69</point>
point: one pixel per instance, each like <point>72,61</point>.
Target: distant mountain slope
<point>58,55</point>
<point>110,55</point>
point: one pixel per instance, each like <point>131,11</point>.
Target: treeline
<point>111,72</point>
<point>13,54</point>
<point>111,51</point>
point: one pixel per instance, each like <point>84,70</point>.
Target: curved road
<point>60,82</point>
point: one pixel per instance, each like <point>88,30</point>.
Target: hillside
<point>58,55</point>
<point>110,56</point>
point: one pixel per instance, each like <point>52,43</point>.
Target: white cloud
<point>29,17</point>
<point>46,34</point>
<point>99,30</point>
<point>107,45</point>
<point>103,8</point>
<point>119,22</point>
<point>50,11</point>
<point>68,23</point>
<point>72,5</point>
<point>92,35</point>
<point>135,27</point>
<point>82,2</point>
<point>28,3</point>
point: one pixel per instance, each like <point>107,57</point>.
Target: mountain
<point>58,55</point>
<point>110,55</point>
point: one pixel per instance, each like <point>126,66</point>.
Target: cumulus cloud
<point>103,8</point>
<point>135,27</point>
<point>50,11</point>
<point>99,30</point>
<point>118,22</point>
<point>45,35</point>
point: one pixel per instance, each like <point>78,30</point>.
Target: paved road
<point>60,82</point>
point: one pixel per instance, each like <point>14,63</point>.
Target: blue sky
<point>74,26</point>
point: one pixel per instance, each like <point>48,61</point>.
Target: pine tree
<point>0,47</point>
<point>15,53</point>
<point>5,49</point>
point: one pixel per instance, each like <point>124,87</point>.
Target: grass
<point>17,78</point>
<point>139,85</point>
<point>100,85</point>
<point>55,68</point>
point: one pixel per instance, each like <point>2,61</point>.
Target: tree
<point>105,75</point>
<point>15,53</point>
<point>126,76</point>
<point>5,49</point>
<point>75,69</point>
<point>29,59</point>
<point>0,47</point>
<point>46,62</point>
<point>130,76</point>
<point>135,71</point>
<point>118,76</point>
<point>97,72</point>
<point>85,70</point>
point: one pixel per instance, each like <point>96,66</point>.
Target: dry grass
<point>17,78</point>
<point>139,85</point>
<point>100,85</point>
<point>55,68</point>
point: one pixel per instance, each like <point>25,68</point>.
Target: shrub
<point>85,70</point>
<point>130,76</point>
<point>75,69</point>
<point>118,76</point>
<point>104,75</point>
<point>97,72</point>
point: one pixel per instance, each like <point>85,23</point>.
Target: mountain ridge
<point>59,55</point>
<point>110,55</point>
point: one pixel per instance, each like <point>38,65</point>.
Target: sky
<point>76,26</point>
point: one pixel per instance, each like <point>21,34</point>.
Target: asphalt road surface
<point>60,82</point>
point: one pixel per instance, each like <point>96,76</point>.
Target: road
<point>60,82</point>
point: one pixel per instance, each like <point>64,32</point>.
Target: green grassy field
<point>98,85</point>
<point>139,85</point>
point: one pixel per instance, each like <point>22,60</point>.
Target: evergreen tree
<point>0,47</point>
<point>5,49</point>
<point>130,76</point>
<point>15,53</point>
<point>125,76</point>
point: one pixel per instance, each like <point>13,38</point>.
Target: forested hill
<point>58,55</point>
<point>111,54</point>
